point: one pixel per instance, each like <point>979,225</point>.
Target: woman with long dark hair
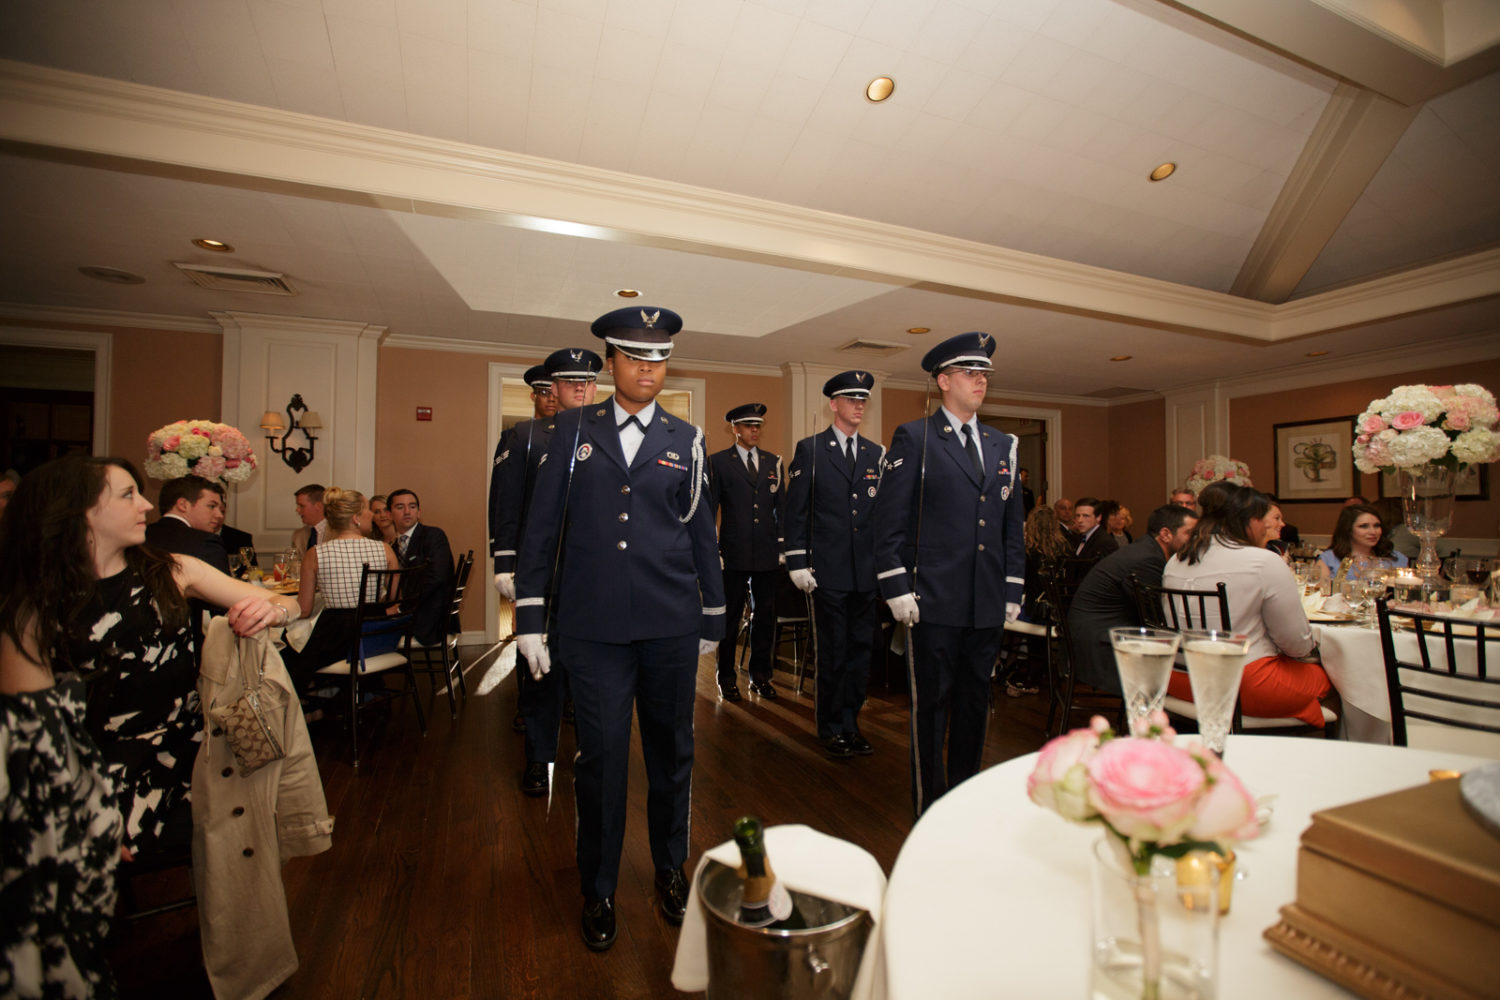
<point>99,715</point>
<point>1264,604</point>
<point>1358,537</point>
<point>1046,546</point>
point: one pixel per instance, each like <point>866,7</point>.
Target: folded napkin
<point>804,860</point>
<point>1334,604</point>
<point>1312,603</point>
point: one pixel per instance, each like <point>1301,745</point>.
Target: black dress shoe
<point>764,689</point>
<point>731,693</point>
<point>858,744</point>
<point>672,890</point>
<point>518,724</point>
<point>534,780</point>
<point>599,923</point>
<point>838,746</point>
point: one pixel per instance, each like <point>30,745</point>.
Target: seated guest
<point>192,510</point>
<point>1212,495</point>
<point>1393,519</point>
<point>1045,548</point>
<point>1106,598</point>
<point>382,528</point>
<point>1119,524</point>
<point>310,509</point>
<point>1265,604</point>
<point>1184,497</point>
<point>1064,510</point>
<point>1090,540</point>
<point>1358,538</point>
<point>334,566</point>
<point>1271,536</point>
<point>418,543</point>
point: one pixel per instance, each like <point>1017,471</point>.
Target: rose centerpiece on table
<point>204,448</point>
<point>1215,468</point>
<point>1152,799</point>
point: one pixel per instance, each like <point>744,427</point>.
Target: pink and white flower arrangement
<point>1157,798</point>
<point>1215,468</point>
<point>1450,425</point>
<point>199,448</point>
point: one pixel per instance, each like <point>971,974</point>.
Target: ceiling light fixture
<point>1317,354</point>
<point>879,89</point>
<point>1164,171</point>
<point>1122,357</point>
<point>627,293</point>
<point>217,246</point>
<point>920,329</point>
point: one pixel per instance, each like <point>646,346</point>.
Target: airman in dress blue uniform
<point>745,485</point>
<point>570,377</point>
<point>950,554</point>
<point>830,553</point>
<point>619,520</point>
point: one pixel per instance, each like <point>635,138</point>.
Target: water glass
<point>1215,660</point>
<point>1144,659</point>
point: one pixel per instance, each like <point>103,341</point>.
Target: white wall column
<point>1197,426</point>
<point>808,407</point>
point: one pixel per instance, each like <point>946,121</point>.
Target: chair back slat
<point>1446,681</point>
<point>378,627</point>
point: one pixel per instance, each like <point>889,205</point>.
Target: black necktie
<point>849,452</point>
<point>972,447</point>
<point>750,463</point>
<point>633,419</point>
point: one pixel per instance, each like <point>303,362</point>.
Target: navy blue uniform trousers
<point>950,703</point>
<point>845,626</point>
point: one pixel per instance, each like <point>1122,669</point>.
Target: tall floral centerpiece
<point>1426,434</point>
<point>1216,468</point>
<point>1154,800</point>
<point>199,448</point>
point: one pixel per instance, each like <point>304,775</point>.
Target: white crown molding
<point>106,317</point>
<point>458,345</point>
<point>297,324</point>
<point>187,134</point>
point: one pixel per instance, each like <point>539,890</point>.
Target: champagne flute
<point>247,554</point>
<point>236,564</point>
<point>1144,658</point>
<point>1215,660</point>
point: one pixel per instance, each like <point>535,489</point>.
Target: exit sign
<point>424,413</point>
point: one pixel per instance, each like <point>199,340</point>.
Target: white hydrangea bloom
<point>1418,446</point>
<point>1477,446</point>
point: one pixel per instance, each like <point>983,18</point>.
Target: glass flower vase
<point>1153,939</point>
<point>1426,493</point>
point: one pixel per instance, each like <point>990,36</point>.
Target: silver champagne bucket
<point>758,963</point>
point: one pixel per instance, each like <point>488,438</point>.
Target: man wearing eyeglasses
<point>951,560</point>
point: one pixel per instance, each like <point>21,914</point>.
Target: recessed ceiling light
<point>879,89</point>
<point>217,246</point>
<point>627,293</point>
<point>1121,357</point>
<point>1164,171</point>
<point>1317,354</point>
<point>113,275</point>
<point>920,329</point>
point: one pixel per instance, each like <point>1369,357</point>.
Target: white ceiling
<point>1027,125</point>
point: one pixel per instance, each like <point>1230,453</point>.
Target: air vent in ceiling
<point>237,279</point>
<point>875,347</point>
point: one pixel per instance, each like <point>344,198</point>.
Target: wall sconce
<point>299,418</point>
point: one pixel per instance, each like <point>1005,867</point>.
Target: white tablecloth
<point>990,894</point>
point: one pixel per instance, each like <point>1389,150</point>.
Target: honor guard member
<point>620,521</point>
<point>951,560</point>
<point>571,376</point>
<point>745,485</point>
<point>830,552</point>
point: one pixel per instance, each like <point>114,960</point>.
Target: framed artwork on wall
<point>1472,483</point>
<point>1315,460</point>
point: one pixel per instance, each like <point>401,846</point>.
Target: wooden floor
<point>445,882</point>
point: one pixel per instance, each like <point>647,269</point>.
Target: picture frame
<point>1473,483</point>
<point>1315,460</point>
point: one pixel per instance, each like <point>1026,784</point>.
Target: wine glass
<point>1215,661</point>
<point>278,566</point>
<point>236,564</point>
<point>247,555</point>
<point>1144,658</point>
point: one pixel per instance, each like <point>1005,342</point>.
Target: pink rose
<point>171,443</point>
<point>1060,780</point>
<point>1144,788</point>
<point>200,432</point>
<point>1407,420</point>
<point>1372,424</point>
<point>1226,812</point>
<point>209,467</point>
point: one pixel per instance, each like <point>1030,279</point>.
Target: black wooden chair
<point>441,657</point>
<point>1445,690</point>
<point>1064,700</point>
<point>791,625</point>
<point>380,631</point>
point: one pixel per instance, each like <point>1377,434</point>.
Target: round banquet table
<point>990,894</point>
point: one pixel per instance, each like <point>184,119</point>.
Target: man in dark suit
<point>745,487</point>
<point>234,539</point>
<point>830,554</point>
<point>1105,600</point>
<point>427,589</point>
<point>192,509</point>
<point>951,560</point>
<point>572,376</point>
<point>1091,541</point>
<point>620,519</point>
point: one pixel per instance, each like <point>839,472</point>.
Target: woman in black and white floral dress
<point>98,710</point>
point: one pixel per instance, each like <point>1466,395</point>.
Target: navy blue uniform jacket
<point>969,551</point>
<point>749,512</point>
<point>517,457</point>
<point>639,559</point>
<point>830,532</point>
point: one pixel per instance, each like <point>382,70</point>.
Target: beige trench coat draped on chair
<point>245,828</point>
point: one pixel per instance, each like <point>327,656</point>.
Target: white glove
<point>706,646</point>
<point>904,609</point>
<point>803,580</point>
<point>505,583</point>
<point>1012,612</point>
<point>533,646</point>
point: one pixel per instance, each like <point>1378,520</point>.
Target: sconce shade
<point>311,421</point>
<point>271,421</point>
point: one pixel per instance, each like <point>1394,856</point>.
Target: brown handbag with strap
<point>249,724</point>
